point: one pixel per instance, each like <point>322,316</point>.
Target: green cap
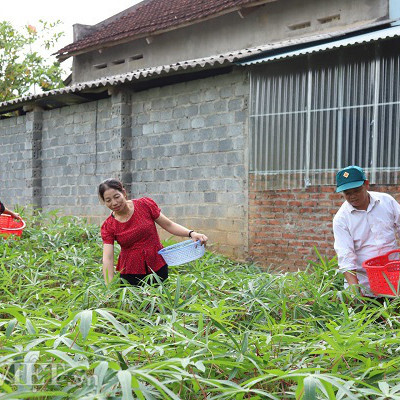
<point>349,178</point>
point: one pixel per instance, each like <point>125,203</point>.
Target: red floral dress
<point>138,238</point>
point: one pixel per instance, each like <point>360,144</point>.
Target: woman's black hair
<point>111,183</point>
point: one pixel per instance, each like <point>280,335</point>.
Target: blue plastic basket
<point>182,253</point>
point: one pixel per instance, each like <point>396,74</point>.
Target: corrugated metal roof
<point>211,62</point>
<point>201,63</point>
<point>223,59</point>
<point>350,41</point>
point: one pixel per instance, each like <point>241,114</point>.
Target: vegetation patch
<point>215,329</point>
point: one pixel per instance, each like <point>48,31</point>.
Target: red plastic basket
<point>381,270</point>
<point>10,226</point>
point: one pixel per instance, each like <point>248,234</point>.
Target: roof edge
<point>128,38</point>
<point>237,57</point>
<point>347,39</point>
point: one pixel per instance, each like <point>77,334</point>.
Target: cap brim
<point>350,185</point>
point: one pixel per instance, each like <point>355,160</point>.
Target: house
<point>232,114</point>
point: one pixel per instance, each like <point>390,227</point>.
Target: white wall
<point>269,23</point>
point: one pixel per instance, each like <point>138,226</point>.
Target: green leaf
<point>86,322</point>
<point>33,394</point>
<point>310,388</point>
<point>136,388</point>
<point>195,384</point>
<point>105,314</point>
<point>185,362</point>
<point>390,284</point>
<point>65,357</point>
<point>125,378</point>
<point>122,362</point>
<point>223,329</point>
<point>100,372</point>
<point>177,292</point>
<point>29,367</point>
<point>10,327</point>
<point>29,327</point>
<point>23,69</point>
<point>200,366</point>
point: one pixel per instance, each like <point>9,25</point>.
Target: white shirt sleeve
<point>344,247</point>
<point>396,207</point>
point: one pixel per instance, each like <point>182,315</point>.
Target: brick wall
<point>285,225</point>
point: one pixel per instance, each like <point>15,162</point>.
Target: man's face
<point>358,197</point>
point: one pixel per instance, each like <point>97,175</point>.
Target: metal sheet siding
<point>305,124</point>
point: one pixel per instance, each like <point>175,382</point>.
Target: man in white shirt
<point>364,227</point>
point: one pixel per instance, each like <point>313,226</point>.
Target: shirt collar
<point>373,201</point>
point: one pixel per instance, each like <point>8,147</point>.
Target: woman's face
<point>115,200</point>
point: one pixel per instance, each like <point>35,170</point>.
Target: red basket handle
<point>23,224</point>
<point>393,266</point>
<point>391,252</point>
<point>15,229</point>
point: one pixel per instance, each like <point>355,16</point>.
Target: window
<point>136,57</point>
<point>118,62</point>
<point>100,66</point>
<point>311,116</point>
<point>330,18</point>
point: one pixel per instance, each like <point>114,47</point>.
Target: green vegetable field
<point>215,330</point>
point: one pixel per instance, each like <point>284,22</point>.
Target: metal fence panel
<point>308,122</point>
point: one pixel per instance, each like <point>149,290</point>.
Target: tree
<point>23,69</point>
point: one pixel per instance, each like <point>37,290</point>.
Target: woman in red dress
<point>132,225</point>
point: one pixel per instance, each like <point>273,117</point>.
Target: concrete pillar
<point>34,124</point>
<point>121,120</point>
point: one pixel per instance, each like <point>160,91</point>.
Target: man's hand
<point>354,288</point>
<point>351,277</point>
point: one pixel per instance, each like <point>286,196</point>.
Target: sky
<point>70,12</point>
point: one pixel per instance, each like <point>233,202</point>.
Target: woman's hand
<point>16,216</point>
<point>199,236</point>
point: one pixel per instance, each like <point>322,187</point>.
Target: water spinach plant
<point>216,329</point>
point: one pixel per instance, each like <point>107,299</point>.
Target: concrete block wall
<point>189,152</point>
<point>76,155</point>
<point>15,161</point>
<point>185,145</point>
<point>285,225</point>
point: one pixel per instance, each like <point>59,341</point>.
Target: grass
<point>215,330</point>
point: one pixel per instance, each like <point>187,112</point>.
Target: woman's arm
<point>179,230</point>
<point>5,210</point>
<point>13,214</point>
<point>108,263</point>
